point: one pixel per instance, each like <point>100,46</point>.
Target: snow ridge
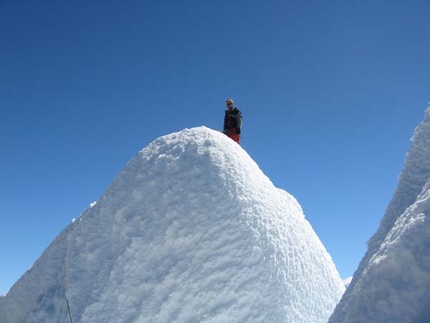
<point>393,279</point>
<point>190,230</point>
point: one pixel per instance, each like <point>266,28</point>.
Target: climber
<point>232,121</point>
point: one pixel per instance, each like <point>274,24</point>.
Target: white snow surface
<point>191,230</point>
<point>392,283</point>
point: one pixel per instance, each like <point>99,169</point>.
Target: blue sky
<point>331,92</point>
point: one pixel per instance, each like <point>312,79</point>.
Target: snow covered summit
<point>191,230</point>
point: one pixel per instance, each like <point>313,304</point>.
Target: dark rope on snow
<point>68,308</point>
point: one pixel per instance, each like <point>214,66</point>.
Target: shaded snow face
<point>190,231</point>
<point>393,281</point>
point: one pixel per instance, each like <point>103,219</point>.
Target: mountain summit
<point>190,230</point>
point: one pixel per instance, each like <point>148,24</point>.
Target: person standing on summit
<point>232,121</point>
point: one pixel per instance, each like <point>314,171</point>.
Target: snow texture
<point>191,230</point>
<point>392,283</point>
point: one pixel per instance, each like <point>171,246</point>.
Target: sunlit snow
<point>191,230</point>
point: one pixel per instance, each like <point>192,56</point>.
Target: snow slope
<point>191,230</point>
<point>392,283</point>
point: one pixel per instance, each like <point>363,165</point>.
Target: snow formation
<point>392,283</point>
<point>191,230</point>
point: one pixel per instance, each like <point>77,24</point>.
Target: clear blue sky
<point>331,92</point>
